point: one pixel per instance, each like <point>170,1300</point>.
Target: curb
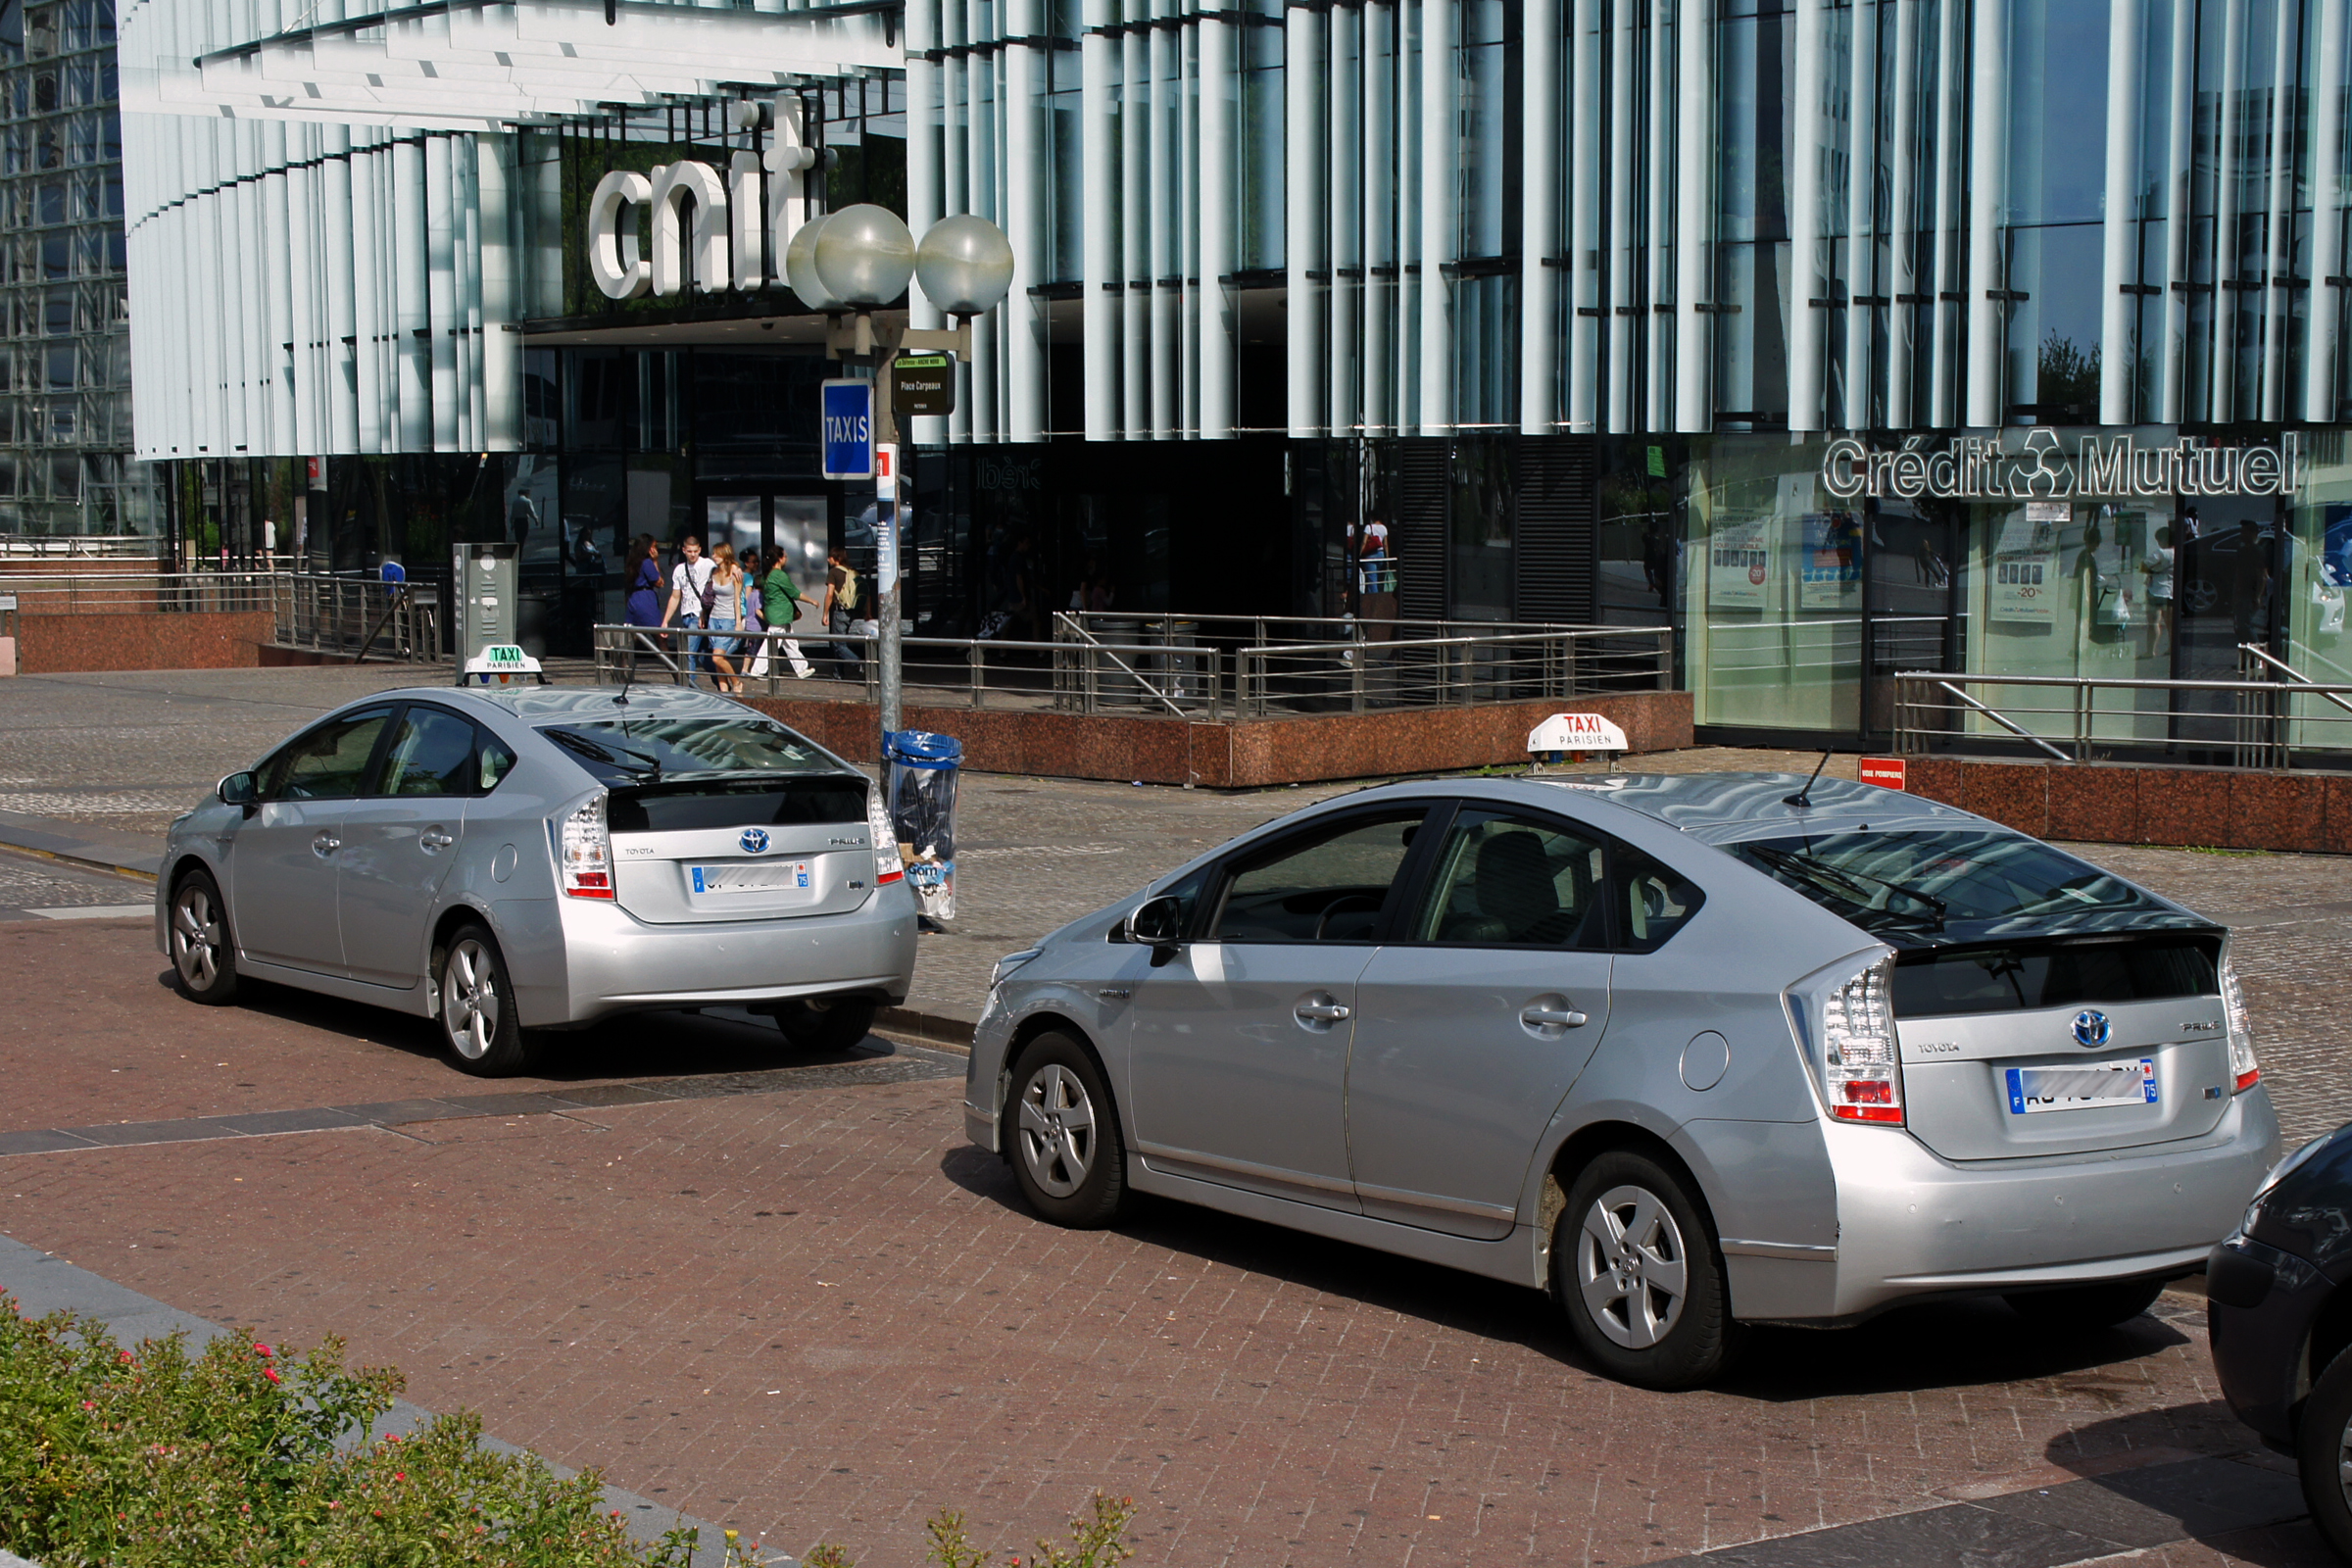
<point>936,1029</point>
<point>58,841</point>
<point>44,1283</point>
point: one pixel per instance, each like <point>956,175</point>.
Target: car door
<point>282,862</point>
<point>1239,1041</point>
<point>400,841</point>
<point>1476,1018</point>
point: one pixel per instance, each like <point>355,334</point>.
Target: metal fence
<point>1176,667</point>
<point>2258,722</point>
<point>67,547</point>
<point>316,610</point>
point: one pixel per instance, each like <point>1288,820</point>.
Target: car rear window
<point>736,803</point>
<point>1935,887</point>
<point>2068,972</point>
<point>639,750</point>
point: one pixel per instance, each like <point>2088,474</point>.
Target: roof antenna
<point>1802,800</point>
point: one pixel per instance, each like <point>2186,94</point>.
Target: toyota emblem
<point>755,839</point>
<point>2090,1028</point>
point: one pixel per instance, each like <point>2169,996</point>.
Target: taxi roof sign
<point>500,665</point>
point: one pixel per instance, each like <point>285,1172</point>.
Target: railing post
<point>977,669</point>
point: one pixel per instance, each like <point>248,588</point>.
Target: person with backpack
<point>841,606</point>
<point>693,585</point>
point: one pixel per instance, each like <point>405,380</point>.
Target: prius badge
<point>755,839</point>
<point>2090,1028</point>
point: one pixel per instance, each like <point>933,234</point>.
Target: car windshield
<point>657,750</point>
<point>1929,888</point>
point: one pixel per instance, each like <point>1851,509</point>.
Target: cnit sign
<point>739,226</point>
<point>1977,468</point>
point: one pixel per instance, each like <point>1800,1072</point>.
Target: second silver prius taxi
<point>513,862</point>
<point>1688,1052</point>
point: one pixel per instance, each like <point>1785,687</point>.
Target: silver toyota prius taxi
<point>514,861</point>
<point>1686,1052</point>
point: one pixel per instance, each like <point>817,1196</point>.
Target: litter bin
<point>920,770</point>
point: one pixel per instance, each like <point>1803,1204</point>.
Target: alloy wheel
<point>469,1001</point>
<point>1632,1267</point>
<point>1056,1130</point>
<point>196,937</point>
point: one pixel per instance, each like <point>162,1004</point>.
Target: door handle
<point>433,838</point>
<point>1552,1017</point>
<point>324,845</point>
<point>1322,1012</point>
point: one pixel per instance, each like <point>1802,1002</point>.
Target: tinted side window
<point>328,763</point>
<point>432,754</point>
<point>495,760</point>
<point>1515,881</point>
<point>1654,900</point>
<point>1327,884</point>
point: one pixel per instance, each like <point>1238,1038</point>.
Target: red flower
<point>123,1356</point>
<point>400,1475</point>
<point>270,1372</point>
<point>263,1352</point>
<point>89,1405</point>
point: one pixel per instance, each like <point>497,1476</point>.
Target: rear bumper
<point>613,962</point>
<point>1912,1225</point>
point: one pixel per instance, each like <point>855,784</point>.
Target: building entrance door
<point>764,521</point>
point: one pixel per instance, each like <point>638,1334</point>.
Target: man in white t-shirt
<point>689,586</point>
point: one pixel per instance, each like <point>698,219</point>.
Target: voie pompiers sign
<point>1980,468</point>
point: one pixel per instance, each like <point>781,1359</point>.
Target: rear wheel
<point>201,954</point>
<point>2324,1454</point>
<point>825,1023</point>
<point>474,1002</point>
<point>1063,1134</point>
<point>2086,1308</point>
<point>1634,1265</point>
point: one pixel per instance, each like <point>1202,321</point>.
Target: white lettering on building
<point>1980,468</point>
<point>707,234</point>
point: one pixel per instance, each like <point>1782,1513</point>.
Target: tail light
<point>2244,1071</point>
<point>887,867</point>
<point>584,852</point>
<point>1848,1020</point>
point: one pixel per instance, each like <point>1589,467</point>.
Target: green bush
<point>242,1457</point>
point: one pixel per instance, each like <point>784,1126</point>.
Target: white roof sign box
<point>1576,732</point>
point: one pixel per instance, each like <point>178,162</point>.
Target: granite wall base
<point>2128,803</point>
<point>50,645</point>
<point>1239,754</point>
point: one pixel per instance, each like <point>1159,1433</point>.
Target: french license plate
<point>762,876</point>
<point>2081,1088</point>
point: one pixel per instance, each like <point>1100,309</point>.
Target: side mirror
<point>1158,924</point>
<point>239,789</point>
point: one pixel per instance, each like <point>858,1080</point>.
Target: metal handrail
<point>1064,618</point>
<point>2259,727</point>
<point>2294,676</point>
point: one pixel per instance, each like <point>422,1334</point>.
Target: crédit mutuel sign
<point>739,227</point>
<point>1981,468</point>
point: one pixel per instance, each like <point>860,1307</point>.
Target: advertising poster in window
<point>1830,577</point>
<point>2026,584</point>
<point>1739,563</point>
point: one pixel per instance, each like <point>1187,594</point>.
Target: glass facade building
<point>1846,336</point>
<point>66,464</point>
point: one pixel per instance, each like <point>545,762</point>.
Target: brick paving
<point>625,1285</point>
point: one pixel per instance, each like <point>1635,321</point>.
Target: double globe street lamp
<point>854,261</point>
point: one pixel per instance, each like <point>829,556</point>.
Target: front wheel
<point>1634,1265</point>
<point>2324,1454</point>
<point>824,1023</point>
<point>1067,1153</point>
<point>474,1002</point>
<point>2086,1308</point>
<point>201,954</point>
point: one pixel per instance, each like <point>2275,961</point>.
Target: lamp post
<point>853,261</point>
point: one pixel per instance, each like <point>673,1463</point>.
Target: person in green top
<point>780,603</point>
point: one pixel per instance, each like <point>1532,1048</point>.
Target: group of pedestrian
<point>723,606</point>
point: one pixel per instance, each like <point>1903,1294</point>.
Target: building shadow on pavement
<point>640,1044</point>
<point>1943,1345</point>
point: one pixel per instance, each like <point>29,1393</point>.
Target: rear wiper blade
<point>611,755</point>
<point>1824,871</point>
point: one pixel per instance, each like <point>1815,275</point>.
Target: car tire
<point>2086,1308</point>
<point>204,955</point>
<point>1637,1268</point>
<point>825,1023</point>
<point>2324,1454</point>
<point>473,1005</point>
<point>1062,1135</point>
